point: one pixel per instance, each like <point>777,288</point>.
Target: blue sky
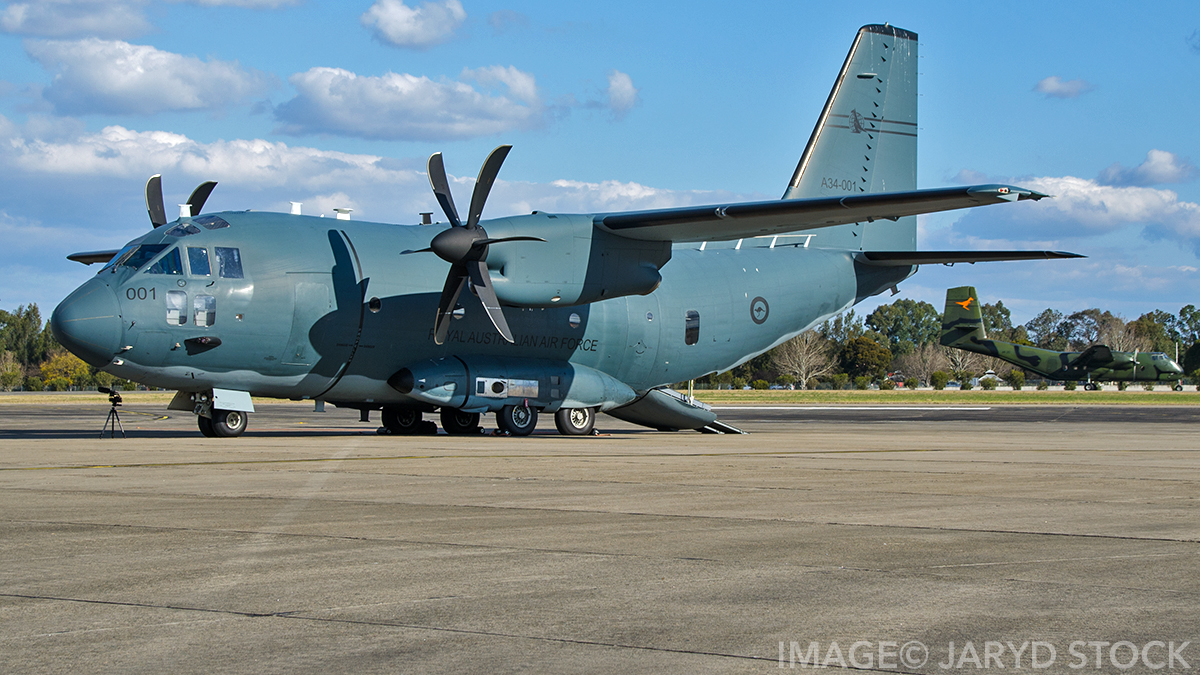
<point>609,106</point>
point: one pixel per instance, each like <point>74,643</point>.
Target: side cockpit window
<point>168,264</point>
<point>198,261</point>
<point>229,263</point>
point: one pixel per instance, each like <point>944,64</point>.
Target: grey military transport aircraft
<point>563,313</point>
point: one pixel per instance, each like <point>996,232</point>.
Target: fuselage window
<point>229,263</point>
<point>198,261</point>
<point>205,310</point>
<point>691,327</point>
<point>142,255</point>
<point>176,308</point>
<point>182,230</point>
<point>168,264</point>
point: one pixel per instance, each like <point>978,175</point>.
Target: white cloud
<point>622,95</point>
<point>407,107</point>
<point>249,4</point>
<point>104,76</point>
<point>432,23</point>
<point>522,85</point>
<point>1159,167</point>
<point>1056,87</point>
<point>72,18</point>
<point>1085,208</point>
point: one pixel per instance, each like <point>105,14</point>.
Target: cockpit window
<point>168,264</point>
<point>229,263</point>
<point>210,222</point>
<point>198,261</point>
<point>142,255</point>
<point>182,230</point>
<point>119,257</point>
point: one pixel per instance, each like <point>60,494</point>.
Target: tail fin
<point>866,138</point>
<point>962,320</point>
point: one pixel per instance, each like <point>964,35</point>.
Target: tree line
<point>32,360</point>
<point>901,341</point>
<point>901,337</point>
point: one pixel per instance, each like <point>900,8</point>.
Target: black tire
<point>575,421</point>
<point>1089,387</point>
<point>1178,387</point>
<point>229,423</point>
<point>517,420</point>
<point>459,423</point>
<point>206,427</point>
<point>402,421</point>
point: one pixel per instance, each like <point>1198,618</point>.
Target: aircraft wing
<point>1095,356</point>
<point>89,257</point>
<point>907,258</point>
<point>750,219</point>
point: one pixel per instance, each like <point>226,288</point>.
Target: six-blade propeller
<point>465,245</point>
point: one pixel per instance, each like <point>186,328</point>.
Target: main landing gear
<point>223,423</point>
<point>513,420</point>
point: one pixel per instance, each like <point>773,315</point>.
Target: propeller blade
<point>450,292</point>
<point>480,243</point>
<point>154,201</point>
<point>441,188</point>
<point>200,195</point>
<point>483,184</point>
<point>482,282</point>
<point>420,250</point>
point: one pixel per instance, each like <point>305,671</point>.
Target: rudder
<point>866,138</point>
<point>962,319</point>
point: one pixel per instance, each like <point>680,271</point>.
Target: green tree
<point>25,334</point>
<point>906,324</point>
<point>11,372</point>
<point>864,356</point>
<point>64,365</point>
<point>938,379</point>
<point>1046,330</point>
<point>1015,379</point>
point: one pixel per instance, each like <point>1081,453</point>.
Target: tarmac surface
<point>1057,536</point>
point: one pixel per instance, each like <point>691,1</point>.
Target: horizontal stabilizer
<point>906,258</point>
<point>749,219</point>
<point>89,257</point>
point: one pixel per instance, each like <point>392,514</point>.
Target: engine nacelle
<point>487,384</point>
<point>578,263</point>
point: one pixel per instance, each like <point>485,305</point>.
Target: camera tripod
<point>113,421</point>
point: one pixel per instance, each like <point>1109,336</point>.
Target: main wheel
<point>518,420</point>
<point>402,421</point>
<point>1179,387</point>
<point>228,423</point>
<point>459,423</point>
<point>206,426</point>
<point>575,421</point>
<point>1089,387</point>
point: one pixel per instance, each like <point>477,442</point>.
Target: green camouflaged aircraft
<point>580,313</point>
<point>962,328</point>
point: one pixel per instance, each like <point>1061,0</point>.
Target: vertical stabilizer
<point>962,322</point>
<point>866,138</point>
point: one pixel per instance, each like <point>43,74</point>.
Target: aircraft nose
<point>88,322</point>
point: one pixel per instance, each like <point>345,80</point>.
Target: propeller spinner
<point>154,199</point>
<point>465,245</point>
